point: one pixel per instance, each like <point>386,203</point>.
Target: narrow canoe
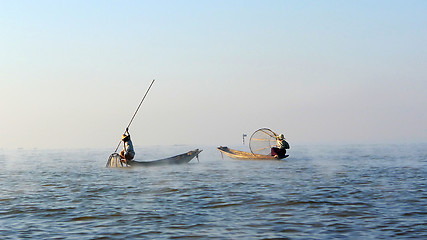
<point>178,159</point>
<point>236,154</point>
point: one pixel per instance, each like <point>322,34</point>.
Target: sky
<point>72,73</point>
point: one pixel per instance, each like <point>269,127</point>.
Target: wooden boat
<point>178,159</point>
<point>236,154</point>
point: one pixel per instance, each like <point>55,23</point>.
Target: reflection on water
<point>320,192</point>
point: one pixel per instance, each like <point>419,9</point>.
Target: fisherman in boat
<point>280,150</point>
<point>128,153</point>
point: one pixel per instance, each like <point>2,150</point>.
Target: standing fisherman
<point>280,150</point>
<point>128,153</point>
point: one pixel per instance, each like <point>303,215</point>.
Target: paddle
<point>115,151</point>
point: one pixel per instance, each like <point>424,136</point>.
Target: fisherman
<point>280,150</point>
<point>128,153</point>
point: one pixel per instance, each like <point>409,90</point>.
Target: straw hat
<point>125,137</point>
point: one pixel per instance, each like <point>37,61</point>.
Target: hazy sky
<point>72,73</point>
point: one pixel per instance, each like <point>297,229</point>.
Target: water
<point>319,192</point>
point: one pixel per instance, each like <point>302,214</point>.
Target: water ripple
<point>349,192</point>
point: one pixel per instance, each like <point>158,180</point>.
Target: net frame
<point>262,140</point>
<point>114,161</point>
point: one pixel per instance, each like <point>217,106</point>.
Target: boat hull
<point>178,159</point>
<point>236,154</point>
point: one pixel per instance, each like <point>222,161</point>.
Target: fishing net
<point>114,161</point>
<point>262,140</point>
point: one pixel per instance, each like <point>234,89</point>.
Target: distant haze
<point>72,73</point>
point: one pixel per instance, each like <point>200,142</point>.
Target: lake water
<point>319,192</point>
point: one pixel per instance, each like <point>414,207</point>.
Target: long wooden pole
<point>135,112</point>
